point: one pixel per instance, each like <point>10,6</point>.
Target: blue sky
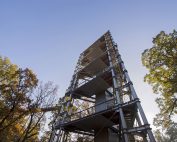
<point>48,35</point>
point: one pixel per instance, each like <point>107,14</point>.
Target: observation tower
<point>113,112</point>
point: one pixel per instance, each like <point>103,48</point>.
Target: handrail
<point>91,110</point>
<point>115,106</point>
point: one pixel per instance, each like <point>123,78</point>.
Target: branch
<point>173,106</point>
<point>36,123</point>
<point>31,135</point>
<point>10,124</point>
<point>27,129</point>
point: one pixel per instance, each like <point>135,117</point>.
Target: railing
<point>110,105</point>
<point>106,105</point>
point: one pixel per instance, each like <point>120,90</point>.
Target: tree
<point>45,137</point>
<point>42,102</point>
<point>161,61</point>
<point>169,135</point>
<point>23,103</point>
<point>15,83</point>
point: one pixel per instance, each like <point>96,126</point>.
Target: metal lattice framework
<point>101,79</point>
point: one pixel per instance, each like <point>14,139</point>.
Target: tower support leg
<point>117,93</point>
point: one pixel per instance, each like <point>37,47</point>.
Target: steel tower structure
<point>116,114</point>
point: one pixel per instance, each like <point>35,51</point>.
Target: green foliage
<point>161,61</point>
<point>170,135</point>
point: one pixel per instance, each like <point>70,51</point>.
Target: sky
<point>48,36</point>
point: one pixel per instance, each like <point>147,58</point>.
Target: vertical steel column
<point>63,137</point>
<point>138,119</point>
<point>58,137</point>
<point>138,103</point>
<point>120,132</point>
<point>66,137</point>
<point>60,130</point>
<point>52,135</point>
<point>133,93</point>
<point>117,93</point>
